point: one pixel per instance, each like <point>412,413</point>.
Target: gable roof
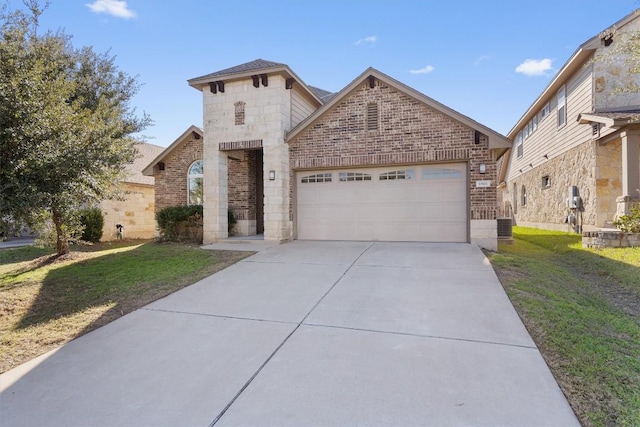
<point>148,170</point>
<point>133,171</point>
<point>258,66</point>
<point>496,140</point>
<point>579,57</point>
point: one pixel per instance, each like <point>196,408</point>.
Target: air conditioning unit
<point>505,228</point>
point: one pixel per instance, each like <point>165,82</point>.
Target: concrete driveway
<point>306,334</point>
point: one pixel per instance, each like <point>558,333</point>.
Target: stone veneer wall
<point>267,118</point>
<point>608,180</point>
<point>171,183</point>
<point>136,213</point>
<point>610,239</point>
<point>409,132</point>
<point>546,207</point>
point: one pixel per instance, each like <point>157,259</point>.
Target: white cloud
<point>117,8</point>
<point>370,39</point>
<point>481,59</point>
<point>534,67</point>
<point>425,70</point>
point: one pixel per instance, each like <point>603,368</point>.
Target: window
<point>399,174</point>
<point>545,111</point>
<point>562,107</point>
<point>239,112</point>
<point>546,181</point>
<point>354,176</point>
<point>515,198</point>
<point>319,177</point>
<point>441,173</point>
<point>372,117</point>
<point>195,183</point>
<point>519,149</point>
<point>523,194</point>
<point>534,121</point>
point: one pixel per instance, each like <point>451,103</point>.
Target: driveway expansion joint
<point>219,316</point>
<point>409,334</point>
<point>271,356</point>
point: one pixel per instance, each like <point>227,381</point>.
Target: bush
<point>629,223</point>
<point>178,223</point>
<point>92,222</point>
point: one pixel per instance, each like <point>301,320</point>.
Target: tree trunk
<point>62,240</point>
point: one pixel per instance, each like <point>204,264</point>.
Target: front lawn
<point>582,308</point>
<point>47,301</point>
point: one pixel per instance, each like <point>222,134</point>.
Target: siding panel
<point>550,140</point>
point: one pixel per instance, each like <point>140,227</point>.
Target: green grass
<point>46,301</point>
<point>582,307</point>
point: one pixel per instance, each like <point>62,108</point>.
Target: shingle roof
<point>323,95</point>
<point>258,64</point>
<point>134,170</point>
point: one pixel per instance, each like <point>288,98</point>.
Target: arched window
<point>524,196</point>
<point>195,183</point>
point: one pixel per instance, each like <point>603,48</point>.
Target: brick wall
<point>171,183</point>
<point>408,132</point>
<point>242,186</point>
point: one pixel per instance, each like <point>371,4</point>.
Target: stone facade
<point>267,118</point>
<point>540,202</point>
<point>610,239</point>
<point>171,183</point>
<point>136,213</point>
<point>608,181</point>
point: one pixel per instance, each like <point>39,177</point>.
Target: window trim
<point>191,176</point>
<point>561,108</point>
<point>519,145</point>
<point>546,181</point>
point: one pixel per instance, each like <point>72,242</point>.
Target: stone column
<point>630,172</point>
<point>277,226</point>
<point>216,200</point>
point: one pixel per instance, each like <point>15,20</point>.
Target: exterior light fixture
<point>483,168</point>
<point>272,175</point>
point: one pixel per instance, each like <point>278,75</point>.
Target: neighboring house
<point>575,163</point>
<point>376,161</point>
<point>136,213</point>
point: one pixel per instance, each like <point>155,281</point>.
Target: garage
<point>425,203</point>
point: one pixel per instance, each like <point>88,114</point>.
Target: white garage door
<point>415,203</point>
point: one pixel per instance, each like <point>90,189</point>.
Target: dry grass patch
<point>46,301</point>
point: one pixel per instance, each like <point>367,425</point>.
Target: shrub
<point>629,223</point>
<point>92,222</point>
<point>178,223</point>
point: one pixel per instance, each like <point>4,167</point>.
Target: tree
<point>65,125</point>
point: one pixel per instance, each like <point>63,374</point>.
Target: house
<point>376,161</point>
<point>136,213</point>
<point>574,164</point>
<point>177,171</point>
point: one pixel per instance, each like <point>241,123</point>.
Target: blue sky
<point>487,59</point>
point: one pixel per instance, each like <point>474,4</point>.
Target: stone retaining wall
<point>610,239</point>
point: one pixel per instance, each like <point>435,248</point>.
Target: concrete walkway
<point>306,334</point>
